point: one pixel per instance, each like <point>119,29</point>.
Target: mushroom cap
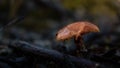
<point>76,29</point>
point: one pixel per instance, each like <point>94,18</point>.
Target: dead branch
<point>52,54</point>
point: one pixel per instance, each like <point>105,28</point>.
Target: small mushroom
<point>76,30</point>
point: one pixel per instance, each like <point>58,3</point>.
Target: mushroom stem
<point>80,45</point>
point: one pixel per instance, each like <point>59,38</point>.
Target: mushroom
<point>76,30</point>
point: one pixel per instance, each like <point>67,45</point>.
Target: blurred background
<point>46,17</point>
<point>41,15</point>
<point>41,19</point>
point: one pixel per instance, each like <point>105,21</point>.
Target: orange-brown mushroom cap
<point>76,29</point>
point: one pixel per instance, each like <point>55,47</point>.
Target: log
<point>52,54</point>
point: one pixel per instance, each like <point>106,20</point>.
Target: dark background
<point>41,19</point>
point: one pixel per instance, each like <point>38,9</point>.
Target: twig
<point>15,20</point>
